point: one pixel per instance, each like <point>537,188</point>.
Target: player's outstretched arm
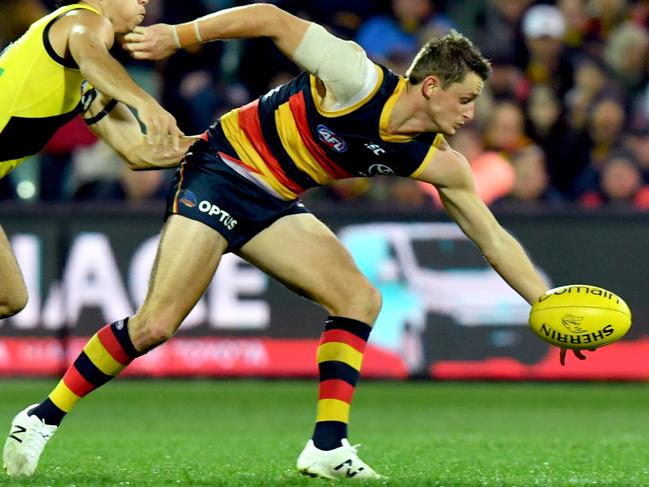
<point>260,20</point>
<point>341,65</point>
<point>116,125</point>
<point>449,171</point>
<point>89,40</point>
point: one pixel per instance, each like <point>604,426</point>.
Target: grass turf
<point>236,433</point>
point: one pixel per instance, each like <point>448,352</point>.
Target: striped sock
<point>105,355</point>
<point>340,354</point>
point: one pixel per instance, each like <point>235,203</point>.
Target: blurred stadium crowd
<point>564,120</point>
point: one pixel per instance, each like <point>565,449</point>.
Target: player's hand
<point>162,132</point>
<point>154,43</point>
<point>578,353</point>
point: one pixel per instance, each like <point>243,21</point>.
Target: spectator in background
<point>505,129</point>
<point>604,132</point>
<point>547,59</point>
<point>567,150</point>
<point>394,39</point>
<point>342,16</point>
<point>626,55</point>
<point>499,33</point>
<point>577,22</point>
<point>620,184</point>
<point>17,16</point>
<point>637,142</point>
<point>531,182</point>
<point>591,82</point>
<point>605,126</point>
<point>606,15</point>
<point>507,82</point>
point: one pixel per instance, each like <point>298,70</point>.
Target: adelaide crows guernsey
<point>39,92</point>
<point>287,142</point>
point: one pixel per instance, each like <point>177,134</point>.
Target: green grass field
<point>234,433</point>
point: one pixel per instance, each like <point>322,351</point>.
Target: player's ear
<point>429,85</point>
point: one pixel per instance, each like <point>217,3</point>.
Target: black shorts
<point>206,189</point>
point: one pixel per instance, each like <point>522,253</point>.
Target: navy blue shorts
<point>206,189</point>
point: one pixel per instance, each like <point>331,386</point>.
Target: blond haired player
<point>58,69</point>
<point>238,189</point>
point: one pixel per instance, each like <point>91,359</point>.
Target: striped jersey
<point>288,143</point>
<point>39,92</point>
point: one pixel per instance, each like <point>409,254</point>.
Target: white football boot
<point>339,463</point>
<point>25,443</point>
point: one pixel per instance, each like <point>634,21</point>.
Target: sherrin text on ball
<point>580,316</point>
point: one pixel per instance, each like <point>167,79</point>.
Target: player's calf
<point>13,303</point>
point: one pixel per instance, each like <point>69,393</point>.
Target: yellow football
<point>580,316</point>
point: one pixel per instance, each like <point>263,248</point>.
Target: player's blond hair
<point>450,58</point>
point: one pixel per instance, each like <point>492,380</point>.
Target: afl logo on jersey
<point>380,170</point>
<point>331,139</point>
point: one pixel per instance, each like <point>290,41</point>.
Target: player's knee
<point>13,304</point>
<point>374,301</point>
<point>361,302</point>
<point>147,334</point>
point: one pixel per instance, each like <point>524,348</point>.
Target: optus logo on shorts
<point>213,210</point>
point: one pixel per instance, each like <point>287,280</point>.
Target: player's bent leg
<point>187,258</point>
<point>13,292</point>
<point>304,254</point>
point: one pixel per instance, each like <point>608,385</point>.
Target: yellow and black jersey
<point>290,143</point>
<point>39,92</point>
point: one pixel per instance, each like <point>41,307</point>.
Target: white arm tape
<point>341,65</point>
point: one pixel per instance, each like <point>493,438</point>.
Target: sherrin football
<point>580,316</point>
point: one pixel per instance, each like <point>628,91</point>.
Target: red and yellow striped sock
<point>105,355</point>
<point>340,355</point>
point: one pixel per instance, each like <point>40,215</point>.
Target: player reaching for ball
<point>238,189</point>
<point>58,69</point>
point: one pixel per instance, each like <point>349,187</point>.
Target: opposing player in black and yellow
<point>238,190</point>
<point>59,68</point>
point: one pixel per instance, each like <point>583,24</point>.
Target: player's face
<point>452,107</point>
<point>125,15</point>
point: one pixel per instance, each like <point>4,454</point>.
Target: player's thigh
<point>304,254</point>
<point>187,257</point>
<point>13,292</point>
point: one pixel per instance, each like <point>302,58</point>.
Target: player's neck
<point>94,4</point>
<point>407,117</point>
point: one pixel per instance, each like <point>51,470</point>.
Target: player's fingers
<point>175,139</point>
<point>166,140</point>
<point>140,45</point>
<point>132,37</point>
<point>167,129</point>
<point>579,354</point>
<point>562,356</point>
<point>140,55</point>
<point>150,130</point>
